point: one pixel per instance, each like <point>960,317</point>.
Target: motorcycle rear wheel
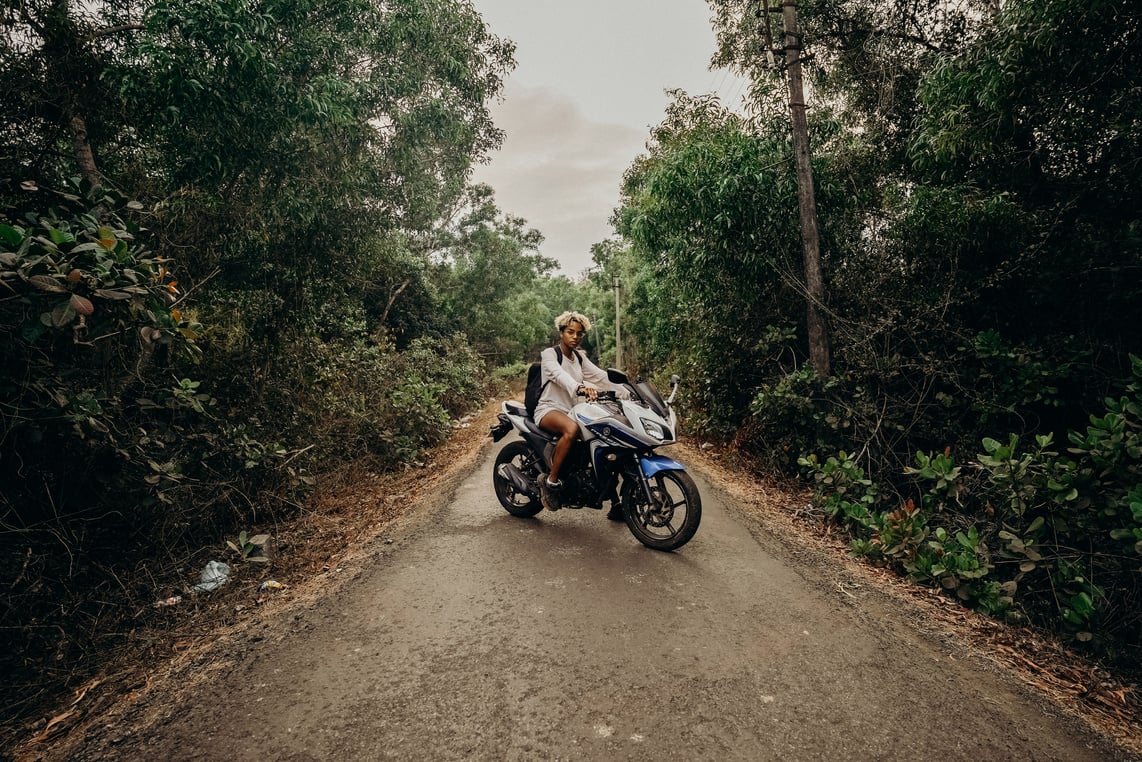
<point>670,521</point>
<point>515,502</point>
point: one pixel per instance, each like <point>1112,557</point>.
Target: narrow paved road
<point>482,636</point>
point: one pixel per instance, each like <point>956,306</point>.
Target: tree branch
<point>95,34</point>
<point>393,298</point>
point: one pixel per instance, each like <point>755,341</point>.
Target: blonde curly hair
<point>569,317</point>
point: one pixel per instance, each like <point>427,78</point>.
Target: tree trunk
<point>392,298</point>
<point>814,285</point>
<point>618,329</point>
<point>81,151</point>
<point>72,74</point>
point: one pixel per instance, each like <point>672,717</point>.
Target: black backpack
<point>535,384</point>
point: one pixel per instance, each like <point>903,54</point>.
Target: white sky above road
<point>589,85</point>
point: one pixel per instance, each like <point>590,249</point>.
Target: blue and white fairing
<point>624,424</point>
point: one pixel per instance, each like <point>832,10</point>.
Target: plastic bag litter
<point>214,576</point>
<point>270,584</point>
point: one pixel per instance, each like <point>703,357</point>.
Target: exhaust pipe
<point>509,472</point>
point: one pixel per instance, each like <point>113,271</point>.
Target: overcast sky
<point>589,85</point>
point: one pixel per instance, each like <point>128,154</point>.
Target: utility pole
<point>618,331</point>
<point>810,236</point>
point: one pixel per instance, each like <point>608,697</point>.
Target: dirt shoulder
<point>358,514</point>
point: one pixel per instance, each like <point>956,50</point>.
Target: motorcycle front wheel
<point>670,517</point>
<point>515,502</point>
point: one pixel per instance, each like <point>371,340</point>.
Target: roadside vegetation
<point>980,429</point>
<point>239,249</point>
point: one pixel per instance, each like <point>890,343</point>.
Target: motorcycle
<point>612,461</point>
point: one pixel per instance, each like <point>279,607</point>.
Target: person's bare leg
<point>559,423</point>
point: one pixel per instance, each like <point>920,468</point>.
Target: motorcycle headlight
<point>652,428</point>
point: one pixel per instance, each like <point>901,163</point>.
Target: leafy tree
<point>983,278</point>
<point>59,108</point>
<point>291,163</point>
<point>297,141</point>
<point>954,230</point>
<point>1055,145</point>
<point>864,57</point>
<point>711,215</point>
<point>490,273</point>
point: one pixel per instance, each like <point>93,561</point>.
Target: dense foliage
<point>238,249</point>
<point>979,205</point>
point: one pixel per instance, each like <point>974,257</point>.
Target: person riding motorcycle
<point>564,379</point>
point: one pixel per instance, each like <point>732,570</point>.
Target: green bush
<point>508,380</point>
<point>127,454</point>
<point>99,426</point>
<point>357,399</point>
<point>454,366</point>
<point>1023,529</point>
<point>801,413</point>
<point>846,495</point>
<point>90,330</point>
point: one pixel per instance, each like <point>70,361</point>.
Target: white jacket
<point>562,380</point>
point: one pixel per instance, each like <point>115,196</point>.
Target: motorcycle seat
<point>511,407</point>
<point>536,430</point>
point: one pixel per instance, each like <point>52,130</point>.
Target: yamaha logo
<point>606,431</point>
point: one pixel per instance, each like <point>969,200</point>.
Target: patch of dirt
<point>357,514</point>
<point>1069,680</point>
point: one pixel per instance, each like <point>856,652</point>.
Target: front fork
<point>646,467</point>
<point>634,473</point>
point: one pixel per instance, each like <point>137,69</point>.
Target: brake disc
<point>659,514</point>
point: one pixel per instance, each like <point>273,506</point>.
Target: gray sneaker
<point>549,493</point>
